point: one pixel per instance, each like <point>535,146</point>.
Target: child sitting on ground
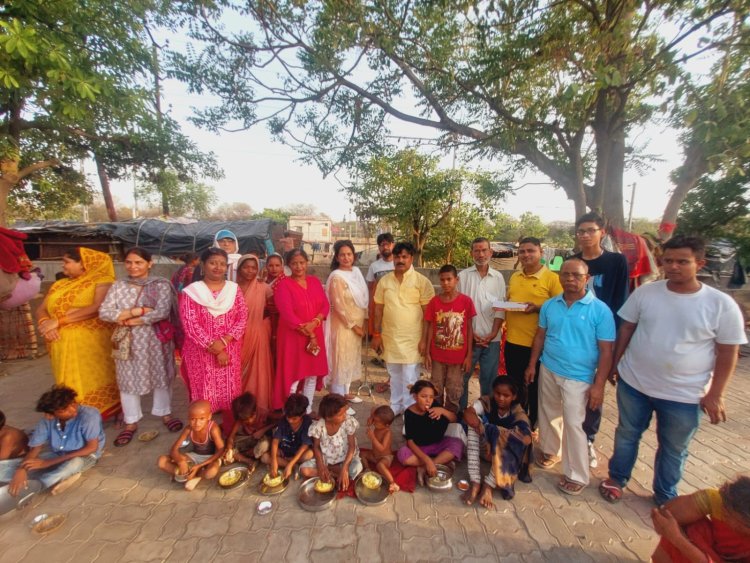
<point>204,460</point>
<point>425,424</point>
<point>335,449</point>
<point>247,441</point>
<point>65,443</point>
<point>499,430</point>
<point>380,457</point>
<point>291,443</point>
<point>14,443</point>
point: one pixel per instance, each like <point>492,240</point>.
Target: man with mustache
<point>484,285</point>
<point>400,299</point>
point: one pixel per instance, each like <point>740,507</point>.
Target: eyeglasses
<point>572,275</point>
<point>590,232</point>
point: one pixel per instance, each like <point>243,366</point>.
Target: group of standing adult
<point>114,341</point>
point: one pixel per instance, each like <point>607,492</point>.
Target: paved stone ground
<point>124,509</point>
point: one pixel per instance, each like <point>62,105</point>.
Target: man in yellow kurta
<point>400,299</point>
<point>533,285</point>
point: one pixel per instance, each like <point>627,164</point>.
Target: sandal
<point>610,491</point>
<point>173,424</point>
<point>570,487</point>
<point>381,387</point>
<point>546,461</point>
<point>125,437</point>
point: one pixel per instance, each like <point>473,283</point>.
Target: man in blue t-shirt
<point>66,442</point>
<point>608,280</point>
<point>575,339</point>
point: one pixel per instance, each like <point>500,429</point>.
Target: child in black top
<point>425,424</point>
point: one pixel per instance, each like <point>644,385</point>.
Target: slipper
<point>546,461</point>
<point>124,437</point>
<point>381,387</point>
<point>570,487</point>
<point>355,400</point>
<point>173,424</point>
<point>610,491</point>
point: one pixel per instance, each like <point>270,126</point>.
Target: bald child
<point>202,459</point>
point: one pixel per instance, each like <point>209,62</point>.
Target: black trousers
<point>516,360</point>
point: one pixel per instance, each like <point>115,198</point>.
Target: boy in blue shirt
<point>576,333</point>
<point>66,442</point>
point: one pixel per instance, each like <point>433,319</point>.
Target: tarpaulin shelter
<point>49,240</point>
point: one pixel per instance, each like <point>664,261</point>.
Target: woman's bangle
<point>317,320</point>
<point>40,320</point>
<point>376,334</point>
<point>61,321</point>
<point>224,342</point>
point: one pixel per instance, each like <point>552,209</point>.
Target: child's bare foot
<point>393,488</point>
<point>486,499</point>
<point>420,475</point>
<point>190,484</point>
<point>471,494</point>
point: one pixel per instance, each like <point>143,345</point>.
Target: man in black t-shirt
<point>608,281</point>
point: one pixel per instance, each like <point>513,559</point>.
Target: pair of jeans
<point>51,476</point>
<point>488,359</point>
<point>676,424</point>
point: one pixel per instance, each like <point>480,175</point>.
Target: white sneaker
<point>593,463</point>
<point>355,400</point>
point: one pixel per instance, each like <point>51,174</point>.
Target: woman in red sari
<point>257,364</point>
<point>711,525</point>
<point>300,347</point>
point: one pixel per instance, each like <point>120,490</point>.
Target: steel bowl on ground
<point>46,523</point>
<point>239,475</point>
<point>9,502</point>
<point>443,481</point>
<point>270,491</point>
<point>368,496</point>
<point>313,501</point>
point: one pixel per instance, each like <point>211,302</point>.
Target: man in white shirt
<point>675,354</point>
<point>379,268</point>
<point>484,285</point>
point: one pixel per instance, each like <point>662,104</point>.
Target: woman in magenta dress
<point>214,316</point>
<point>300,346</point>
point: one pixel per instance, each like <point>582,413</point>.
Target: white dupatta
<point>219,305</point>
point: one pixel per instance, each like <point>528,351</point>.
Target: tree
<point>556,87</point>
<point>72,78</point>
<point>509,229</point>
<point>719,208</point>
<point>193,199</point>
<point>235,211</point>
<point>407,190</point>
<point>450,242</point>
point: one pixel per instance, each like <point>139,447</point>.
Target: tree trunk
<point>693,167</point>
<point>612,204</point>
<point>5,187</point>
<point>106,191</point>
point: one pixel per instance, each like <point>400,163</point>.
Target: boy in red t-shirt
<point>449,335</point>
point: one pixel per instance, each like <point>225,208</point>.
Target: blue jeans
<point>488,359</point>
<point>676,424</point>
<point>51,476</point>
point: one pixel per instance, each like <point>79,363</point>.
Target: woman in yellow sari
<point>79,344</point>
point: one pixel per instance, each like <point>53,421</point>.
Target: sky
<point>268,174</point>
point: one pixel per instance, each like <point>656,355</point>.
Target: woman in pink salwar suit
<point>214,316</point>
<point>300,346</point>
